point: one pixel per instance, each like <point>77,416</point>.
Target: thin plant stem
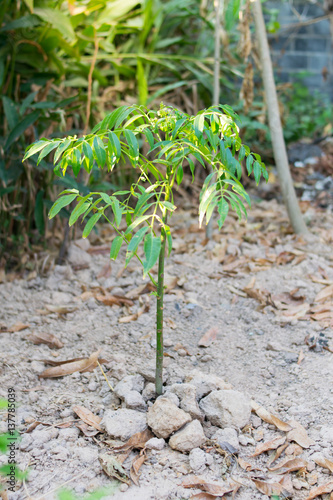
<point>159,316</point>
<point>107,381</point>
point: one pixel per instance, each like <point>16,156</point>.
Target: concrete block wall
<point>306,48</point>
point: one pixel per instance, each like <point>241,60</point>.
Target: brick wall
<point>296,49</point>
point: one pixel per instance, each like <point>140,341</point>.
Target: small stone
<point>122,424</point>
<point>290,357</point>
<point>176,374</point>
<point>147,372</point>
<point>187,395</point>
<point>129,383</point>
<point>172,397</point>
<point>227,408</point>
<point>123,487</point>
<point>206,358</point>
<point>182,352</point>
<point>197,460</point>
<point>149,392</point>
<point>256,421</point>
<point>326,433</point>
<point>60,452</point>
<point>245,440</point>
<point>192,436</point>
<point>227,435</point>
<point>155,444</point>
<point>135,401</point>
<point>206,383</point>
<point>164,418</point>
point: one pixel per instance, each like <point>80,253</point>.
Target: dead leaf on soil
<point>324,462</point>
<point>137,441</point>
<point>45,338</point>
<point>294,449</point>
<point>213,488</point>
<point>276,454</point>
<point>18,327</point>
<point>105,272</point>
<point>87,430</point>
<point>113,468</point>
<point>301,356</point>
<point>271,488</point>
<point>269,418</point>
<point>299,435</point>
<point>133,317</point>
<point>135,467</point>
<point>324,294</point>
<point>84,365</point>
<point>246,465</point>
<point>269,445</point>
<point>321,490</point>
<point>140,290</point>
<point>209,337</point>
<point>202,496</point>
<point>111,300</point>
<point>289,465</point>
<point>88,417</point>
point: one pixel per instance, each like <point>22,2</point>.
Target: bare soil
<point>233,283</point>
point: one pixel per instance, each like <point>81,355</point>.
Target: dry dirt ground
<point>268,294</point>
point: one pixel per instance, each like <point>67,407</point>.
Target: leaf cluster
<point>176,140</point>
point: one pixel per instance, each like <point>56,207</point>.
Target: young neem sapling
<point>175,140</point>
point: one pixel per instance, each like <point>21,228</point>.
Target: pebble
<point>197,460</point>
<point>164,418</point>
<point>227,435</point>
<point>227,408</point>
<point>122,424</point>
<point>191,436</point>
<point>155,444</point>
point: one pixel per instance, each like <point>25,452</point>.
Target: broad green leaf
<point>105,197</point>
<point>132,144</point>
<point>50,147</point>
<point>134,243</point>
<point>98,149</point>
<point>241,153</point>
<point>10,112</point>
<point>178,125</point>
<point>168,205</point>
<point>142,82</point>
<point>257,171</point>
<point>149,137</point>
<point>61,148</point>
<point>199,123</point>
<point>123,115</point>
<point>180,174</point>
<point>34,148</point>
<point>151,247</point>
<point>141,202</point>
<point>116,10</point>
<point>78,210</point>
<point>210,209</point>
<point>61,203</point>
<point>249,163</point>
<point>237,200</point>
<point>136,223</point>
<point>114,146</point>
<point>39,212</point>
<point>265,174</point>
<point>223,209</point>
<point>20,128</point>
<point>58,21</point>
<point>88,156</point>
<point>115,247</point>
<point>192,167</point>
<point>117,211</point>
<point>91,223</point>
<point>75,160</point>
<point>235,206</point>
<point>207,198</point>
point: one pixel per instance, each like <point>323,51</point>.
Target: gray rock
<point>326,433</point>
<point>172,397</point>
<point>197,460</point>
<point>129,383</point>
<point>149,391</point>
<point>148,372</point>
<point>192,436</point>
<point>164,418</point>
<point>227,408</point>
<point>155,444</point>
<point>78,257</point>
<point>135,401</point>
<point>187,395</point>
<point>245,440</point>
<point>123,423</point>
<point>227,435</point>
<point>175,374</point>
<point>206,383</point>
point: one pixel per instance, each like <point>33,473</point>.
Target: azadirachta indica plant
<point>176,140</point>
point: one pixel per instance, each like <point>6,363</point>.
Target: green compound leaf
<point>61,203</point>
<point>249,163</point>
<point>50,147</point>
<point>223,209</point>
<point>134,243</point>
<point>132,144</point>
<point>34,148</point>
<point>98,149</point>
<point>61,148</point>
<point>80,209</point>
<point>115,247</point>
<point>151,247</point>
<point>114,147</point>
<point>257,171</point>
<point>91,223</point>
<point>88,156</point>
<point>117,211</point>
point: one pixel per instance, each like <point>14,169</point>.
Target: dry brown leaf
<point>269,418</point>
<point>111,300</point>
<point>262,296</point>
<point>135,467</point>
<point>134,317</point>
<point>212,487</point>
<point>88,417</point>
<point>312,478</point>
<point>324,294</point>
<point>324,462</point>
<point>296,312</point>
<point>299,435</point>
<point>236,291</point>
<point>321,281</point>
<point>289,465</point>
<point>209,337</point>
<point>65,309</point>
<point>269,445</point>
<point>84,365</point>
<point>137,441</point>
<point>105,272</point>
<point>202,496</point>
<point>276,454</point>
<point>246,465</point>
<point>16,328</point>
<point>271,488</point>
<point>320,490</point>
<point>140,290</point>
<point>301,356</point>
<point>87,430</point>
<point>45,338</point>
